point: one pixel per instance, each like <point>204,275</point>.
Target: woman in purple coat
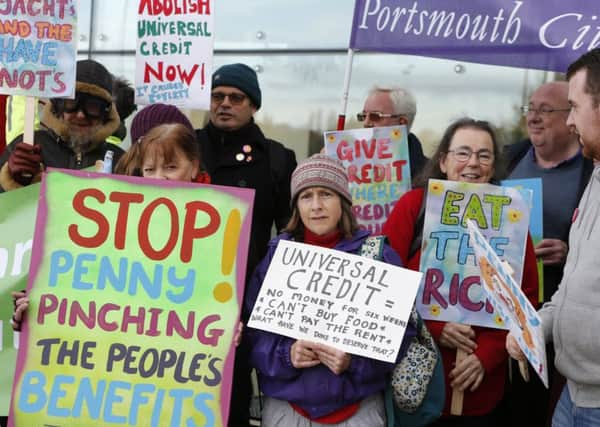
<point>307,383</point>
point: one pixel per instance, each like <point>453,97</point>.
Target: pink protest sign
<point>377,163</point>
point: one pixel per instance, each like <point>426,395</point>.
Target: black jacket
<point>245,158</point>
<point>416,156</point>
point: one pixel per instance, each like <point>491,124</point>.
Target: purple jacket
<point>317,390</point>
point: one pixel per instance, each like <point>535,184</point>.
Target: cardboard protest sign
<point>451,289</point>
<point>353,303</point>
<point>17,220</point>
<point>501,32</point>
<point>511,303</point>
<point>378,167</point>
<point>174,52</point>
<point>135,287</point>
<point>533,187</point>
<point>38,48</point>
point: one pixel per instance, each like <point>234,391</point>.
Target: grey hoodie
<point>572,317</point>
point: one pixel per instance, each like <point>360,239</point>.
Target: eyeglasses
<point>463,154</point>
<point>234,98</point>
<point>375,116</point>
<point>92,107</point>
<point>542,111</point>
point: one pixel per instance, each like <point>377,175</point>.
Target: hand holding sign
<point>468,374</point>
<point>336,360</point>
<point>24,162</point>
<point>513,349</point>
<point>459,336</point>
<point>21,302</point>
<point>302,354</point>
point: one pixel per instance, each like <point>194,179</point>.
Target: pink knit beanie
<point>320,170</point>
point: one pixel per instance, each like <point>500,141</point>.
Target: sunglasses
<point>91,106</point>
<point>375,116</point>
<point>234,98</point>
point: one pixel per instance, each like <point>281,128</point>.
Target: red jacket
<point>491,351</point>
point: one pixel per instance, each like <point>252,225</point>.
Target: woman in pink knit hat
<point>307,383</point>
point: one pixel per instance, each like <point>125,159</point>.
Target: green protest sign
<point>135,287</point>
<point>17,220</point>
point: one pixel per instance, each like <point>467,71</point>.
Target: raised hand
<point>552,251</point>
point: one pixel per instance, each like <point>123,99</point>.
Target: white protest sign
<point>174,53</point>
<point>38,48</point>
<point>512,304</point>
<point>353,303</point>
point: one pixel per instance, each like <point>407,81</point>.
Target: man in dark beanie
<point>73,131</point>
<point>236,153</point>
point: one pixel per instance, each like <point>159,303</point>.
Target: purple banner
<point>546,35</point>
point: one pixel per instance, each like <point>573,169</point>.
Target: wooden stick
<point>524,369</point>
<point>30,105</point>
<point>456,406</point>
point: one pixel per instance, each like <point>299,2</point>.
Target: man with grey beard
<point>73,132</point>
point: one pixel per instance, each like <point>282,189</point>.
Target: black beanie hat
<point>239,76</point>
<point>93,78</point>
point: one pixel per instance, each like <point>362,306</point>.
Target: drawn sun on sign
<point>436,188</point>
<point>498,320</point>
<point>514,215</point>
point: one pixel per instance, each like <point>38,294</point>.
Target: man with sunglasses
<point>394,106</point>
<point>73,133</point>
<point>552,153</point>
<point>235,152</point>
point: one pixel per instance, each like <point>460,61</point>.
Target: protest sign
<point>174,52</point>
<point>451,289</point>
<point>38,48</point>
<point>501,32</point>
<point>135,287</point>
<point>353,303</point>
<point>511,303</point>
<point>17,220</point>
<point>533,187</point>
<point>377,163</point>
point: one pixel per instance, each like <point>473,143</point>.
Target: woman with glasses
<point>306,383</point>
<point>468,152</point>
